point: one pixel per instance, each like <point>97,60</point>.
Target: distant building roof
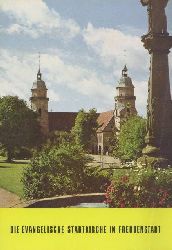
<point>104,119</point>
<point>61,121</point>
<point>64,121</point>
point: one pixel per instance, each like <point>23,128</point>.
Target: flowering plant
<point>146,187</point>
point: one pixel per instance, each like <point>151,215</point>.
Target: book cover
<point>85,124</point>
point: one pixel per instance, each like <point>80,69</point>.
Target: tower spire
<point>125,70</point>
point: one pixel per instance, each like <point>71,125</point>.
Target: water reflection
<point>91,205</point>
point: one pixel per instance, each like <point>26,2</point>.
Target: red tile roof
<point>104,119</point>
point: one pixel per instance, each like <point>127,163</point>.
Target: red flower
<point>122,204</point>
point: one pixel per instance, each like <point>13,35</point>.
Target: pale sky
<point>84,46</point>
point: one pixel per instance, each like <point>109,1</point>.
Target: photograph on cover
<point>85,103</point>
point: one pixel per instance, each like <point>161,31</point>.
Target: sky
<point>84,46</point>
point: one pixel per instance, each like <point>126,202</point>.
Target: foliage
<point>18,125</point>
<point>131,138</point>
<point>96,180</point>
<point>3,152</point>
<point>18,153</point>
<point>59,137</point>
<point>22,153</point>
<point>145,187</point>
<point>85,128</point>
<point>113,142</point>
<point>61,170</point>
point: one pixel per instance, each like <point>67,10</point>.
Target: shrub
<point>61,170</point>
<point>141,188</point>
<point>96,180</point>
<point>55,171</point>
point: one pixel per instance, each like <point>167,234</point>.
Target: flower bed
<point>146,187</point>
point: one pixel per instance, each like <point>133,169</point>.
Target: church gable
<point>105,121</point>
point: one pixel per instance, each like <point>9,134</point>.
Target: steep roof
<point>61,121</point>
<point>104,119</point>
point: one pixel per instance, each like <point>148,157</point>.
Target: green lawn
<point>10,176</point>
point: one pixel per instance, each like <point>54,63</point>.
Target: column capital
<point>157,43</point>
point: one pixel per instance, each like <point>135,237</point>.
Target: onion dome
<point>125,80</point>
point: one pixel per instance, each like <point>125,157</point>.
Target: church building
<point>64,121</point>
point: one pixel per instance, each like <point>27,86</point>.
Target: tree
<point>131,138</point>
<point>113,141</point>
<point>85,128</point>
<point>58,137</point>
<point>18,125</point>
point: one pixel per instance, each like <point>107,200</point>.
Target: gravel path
<point>8,199</point>
<point>106,159</point>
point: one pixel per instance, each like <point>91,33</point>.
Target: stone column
<point>159,108</point>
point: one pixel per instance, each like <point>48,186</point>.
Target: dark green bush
<point>96,180</point>
<point>61,170</point>
<point>22,153</point>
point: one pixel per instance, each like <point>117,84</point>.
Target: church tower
<point>39,102</point>
<point>124,100</point>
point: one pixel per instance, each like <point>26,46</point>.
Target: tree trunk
<point>9,155</point>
